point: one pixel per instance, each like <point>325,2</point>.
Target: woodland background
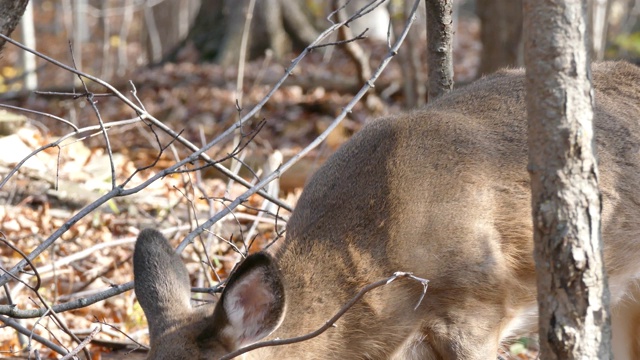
<point>198,68</point>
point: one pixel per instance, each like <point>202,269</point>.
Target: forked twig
<point>24,331</point>
<point>83,345</point>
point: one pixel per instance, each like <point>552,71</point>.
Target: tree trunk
<point>277,25</point>
<point>10,13</point>
<point>29,40</point>
<point>572,288</point>
<point>500,34</point>
<point>209,26</point>
<point>598,13</point>
<point>440,45</point>
<point>168,23</point>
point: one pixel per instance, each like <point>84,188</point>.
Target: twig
<point>89,96</point>
<point>36,289</point>
<point>24,331</point>
<point>41,114</point>
<point>350,40</point>
<point>104,323</point>
<point>82,345</point>
<point>14,312</point>
<point>369,7</point>
<point>73,95</point>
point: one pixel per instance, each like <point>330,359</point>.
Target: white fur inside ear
<point>250,307</point>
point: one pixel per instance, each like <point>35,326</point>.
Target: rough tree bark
<point>439,47</point>
<point>500,33</point>
<point>10,13</point>
<point>572,287</point>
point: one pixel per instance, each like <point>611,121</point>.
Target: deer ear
<point>253,303</point>
<point>161,280</point>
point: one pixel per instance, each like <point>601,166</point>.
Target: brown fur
<point>442,192</point>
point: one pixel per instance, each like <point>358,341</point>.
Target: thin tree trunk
<point>219,25</point>
<point>572,288</point>
<point>29,39</point>
<point>170,22</point>
<point>439,42</point>
<point>598,12</point>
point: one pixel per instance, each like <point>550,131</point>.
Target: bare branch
<point>14,312</point>
<point>24,331</point>
<point>41,114</point>
<point>36,289</point>
<point>82,345</point>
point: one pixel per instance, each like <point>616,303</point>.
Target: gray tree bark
<point>10,13</point>
<point>440,45</point>
<point>572,287</point>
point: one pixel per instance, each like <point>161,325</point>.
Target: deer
<point>441,192</point>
